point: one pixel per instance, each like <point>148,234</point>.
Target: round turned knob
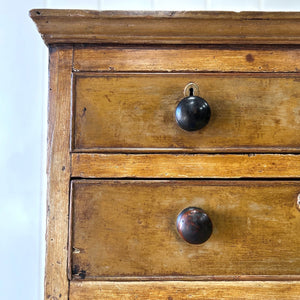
<point>194,225</point>
<point>192,113</point>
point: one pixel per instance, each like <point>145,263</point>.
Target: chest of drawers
<point>140,204</point>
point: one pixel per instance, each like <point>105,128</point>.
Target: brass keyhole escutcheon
<point>191,87</point>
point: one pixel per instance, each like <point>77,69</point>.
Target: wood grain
<point>185,166</point>
<point>58,173</point>
<point>127,112</point>
<point>173,290</point>
<point>186,59</point>
<point>126,230</point>
<point>82,26</point>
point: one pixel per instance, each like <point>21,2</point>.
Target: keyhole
<point>191,92</point>
<point>191,89</point>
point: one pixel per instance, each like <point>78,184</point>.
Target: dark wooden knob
<point>192,113</point>
<point>194,225</point>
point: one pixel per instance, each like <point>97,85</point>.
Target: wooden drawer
<point>127,229</point>
<point>136,112</point>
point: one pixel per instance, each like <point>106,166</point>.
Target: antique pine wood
<point>173,290</point>
<point>247,67</point>
<point>185,166</point>
<point>135,110</point>
<point>165,27</point>
<point>128,228</point>
<point>187,59</point>
<point>58,173</point>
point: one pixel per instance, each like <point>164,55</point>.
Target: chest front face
<point>140,205</point>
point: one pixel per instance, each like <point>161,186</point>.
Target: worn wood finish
<point>185,290</point>
<point>58,173</point>
<point>123,112</point>
<point>128,228</point>
<point>167,27</point>
<point>186,59</point>
<point>185,166</point>
<point>130,71</point>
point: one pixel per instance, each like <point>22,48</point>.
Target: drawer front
<point>127,229</point>
<point>136,112</point>
<point>186,59</point>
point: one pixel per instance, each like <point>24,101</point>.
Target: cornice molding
<point>165,27</point>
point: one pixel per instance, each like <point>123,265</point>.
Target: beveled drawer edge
<point>208,278</point>
<point>126,73</point>
<point>186,59</point>
<point>84,165</point>
<point>181,290</point>
<point>203,150</point>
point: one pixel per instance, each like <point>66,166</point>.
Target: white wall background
<point>23,86</point>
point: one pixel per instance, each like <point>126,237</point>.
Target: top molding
<point>166,27</point>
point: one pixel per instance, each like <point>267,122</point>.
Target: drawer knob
<point>192,112</point>
<point>194,225</point>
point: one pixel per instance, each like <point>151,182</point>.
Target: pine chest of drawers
<point>173,155</point>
